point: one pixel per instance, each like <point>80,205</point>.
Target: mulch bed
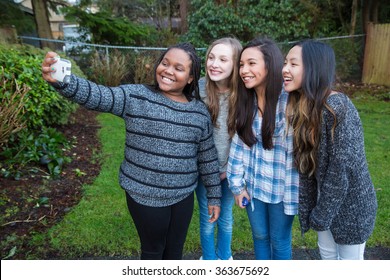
<point>34,203</point>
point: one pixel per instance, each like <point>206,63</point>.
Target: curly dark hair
<point>190,90</point>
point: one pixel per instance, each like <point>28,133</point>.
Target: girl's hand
<point>50,58</point>
<point>214,212</point>
<point>238,199</point>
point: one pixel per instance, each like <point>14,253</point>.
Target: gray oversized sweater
<point>168,144</point>
<point>340,197</point>
<point>221,135</point>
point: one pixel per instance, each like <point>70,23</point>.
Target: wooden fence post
<point>376,65</point>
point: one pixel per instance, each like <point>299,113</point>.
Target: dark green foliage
<point>42,106</point>
<point>45,148</point>
<point>104,29</point>
<point>348,54</point>
<point>280,20</point>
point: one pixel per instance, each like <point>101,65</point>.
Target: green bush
<point>39,109</point>
<point>348,53</point>
<point>36,148</point>
<point>43,106</point>
<point>280,20</point>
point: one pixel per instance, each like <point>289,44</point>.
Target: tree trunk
<point>41,16</point>
<point>184,5</point>
<point>366,14</point>
<point>169,16</point>
<point>340,14</point>
<point>353,17</point>
<point>374,11</point>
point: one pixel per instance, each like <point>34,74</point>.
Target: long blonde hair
<point>305,106</point>
<point>212,90</point>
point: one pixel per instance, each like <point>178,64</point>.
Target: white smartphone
<point>63,70</point>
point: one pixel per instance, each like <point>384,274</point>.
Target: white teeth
<point>167,79</point>
<point>287,79</point>
<point>247,78</point>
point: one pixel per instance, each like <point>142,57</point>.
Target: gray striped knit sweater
<point>168,143</point>
<point>341,197</point>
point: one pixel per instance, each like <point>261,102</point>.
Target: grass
<point>100,225</point>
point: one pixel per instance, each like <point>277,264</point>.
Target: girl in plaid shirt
<point>260,166</point>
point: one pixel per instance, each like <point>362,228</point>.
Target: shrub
<point>11,107</point>
<point>32,149</point>
<point>43,106</point>
<point>109,70</point>
<point>247,20</point>
<point>30,102</point>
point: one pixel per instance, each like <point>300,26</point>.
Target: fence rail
<point>349,51</point>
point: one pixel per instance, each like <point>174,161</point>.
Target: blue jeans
<point>224,223</point>
<point>271,230</point>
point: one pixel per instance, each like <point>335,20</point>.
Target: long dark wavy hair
<point>247,99</point>
<point>190,90</point>
<point>306,104</point>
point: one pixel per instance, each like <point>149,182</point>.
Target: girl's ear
<point>190,79</point>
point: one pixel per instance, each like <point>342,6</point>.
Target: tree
<point>41,18</point>
<point>353,16</point>
<point>280,20</point>
<point>370,12</point>
<point>42,22</point>
<point>12,15</point>
<point>184,5</point>
<point>106,29</point>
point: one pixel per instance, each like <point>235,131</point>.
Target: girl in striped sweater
<point>169,142</point>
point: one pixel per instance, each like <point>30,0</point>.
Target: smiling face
<point>173,73</point>
<point>220,62</point>
<point>253,70</point>
<point>293,69</point>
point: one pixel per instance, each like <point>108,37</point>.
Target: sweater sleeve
<point>307,200</point>
<point>94,97</point>
<point>209,168</point>
<point>334,184</point>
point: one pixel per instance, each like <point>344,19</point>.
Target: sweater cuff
<point>214,201</point>
<point>58,85</point>
<point>316,225</point>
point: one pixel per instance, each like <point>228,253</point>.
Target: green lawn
<point>100,224</point>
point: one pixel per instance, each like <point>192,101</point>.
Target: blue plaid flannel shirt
<point>267,175</point>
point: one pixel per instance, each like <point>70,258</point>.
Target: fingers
<point>238,199</point>
<point>47,69</point>
<point>214,212</point>
<point>49,59</point>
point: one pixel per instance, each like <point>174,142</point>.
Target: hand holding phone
<point>62,70</point>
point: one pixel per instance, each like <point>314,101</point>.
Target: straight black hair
<point>246,99</point>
